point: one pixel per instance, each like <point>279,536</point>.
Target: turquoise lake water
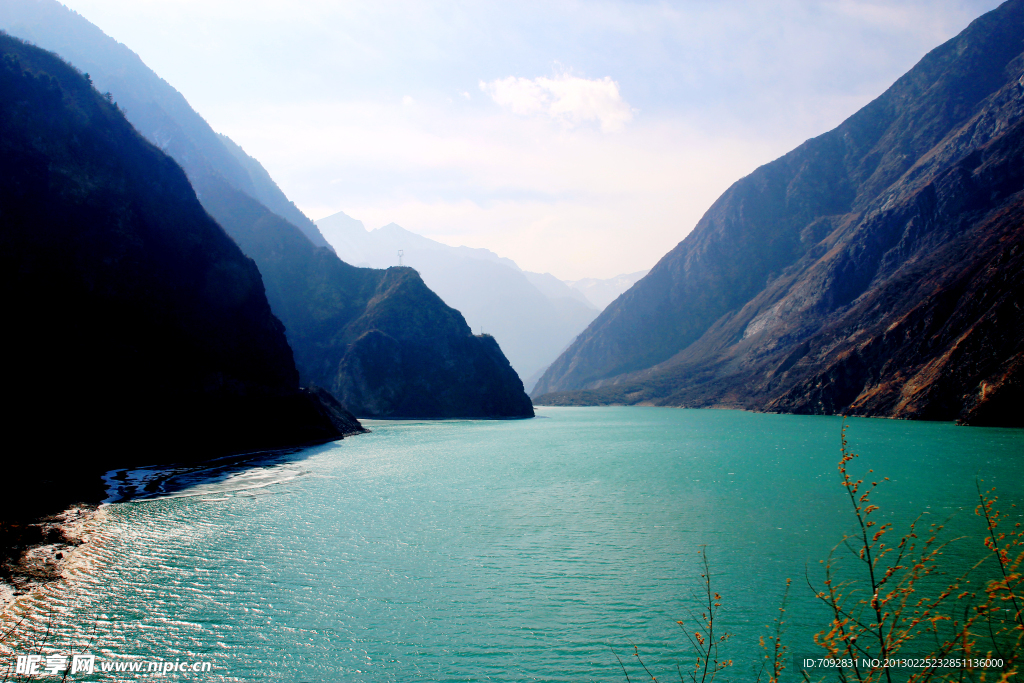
<point>501,550</point>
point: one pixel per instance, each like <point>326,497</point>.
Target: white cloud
<point>569,99</point>
<point>314,89</point>
<point>577,203</point>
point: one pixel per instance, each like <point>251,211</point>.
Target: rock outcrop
<point>874,270</point>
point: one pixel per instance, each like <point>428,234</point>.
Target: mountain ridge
<point>735,314</point>
<point>150,103</point>
<point>331,308</point>
<point>308,287</point>
<point>140,330</point>
<point>532,316</point>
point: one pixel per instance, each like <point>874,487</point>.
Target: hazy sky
<point>580,138</point>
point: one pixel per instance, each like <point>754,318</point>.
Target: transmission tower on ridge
<point>401,253</point>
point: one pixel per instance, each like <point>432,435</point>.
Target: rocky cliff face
<point>136,330</point>
<point>533,317</point>
<point>380,340</point>
<point>874,270</point>
<point>314,293</point>
<point>391,366</point>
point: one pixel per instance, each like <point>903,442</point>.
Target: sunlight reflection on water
<point>461,550</point>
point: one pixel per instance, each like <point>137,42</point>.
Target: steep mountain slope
<point>873,270</point>
<point>137,331</point>
<point>380,340</point>
<point>532,325</point>
<point>156,109</point>
<point>304,290</point>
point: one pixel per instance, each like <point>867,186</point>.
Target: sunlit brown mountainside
<point>136,331</point>
<point>874,270</point>
<point>427,361</point>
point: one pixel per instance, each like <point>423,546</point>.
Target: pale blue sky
<point>581,138</point>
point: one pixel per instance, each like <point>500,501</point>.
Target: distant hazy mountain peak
<point>355,244</point>
<point>406,239</point>
<point>347,236</point>
<point>341,221</point>
<point>532,316</point>
<point>600,292</point>
<point>553,288</point>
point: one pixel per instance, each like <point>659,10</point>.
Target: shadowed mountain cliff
<point>314,294</point>
<point>136,329</point>
<point>380,340</point>
<point>874,270</point>
<point>533,316</point>
<point>156,109</point>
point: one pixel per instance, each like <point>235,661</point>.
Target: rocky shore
<point>38,552</point>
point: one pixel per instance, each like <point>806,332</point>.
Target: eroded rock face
<point>412,356</point>
<point>874,270</point>
<point>136,330</point>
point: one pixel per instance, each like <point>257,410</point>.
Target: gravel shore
<point>38,552</point>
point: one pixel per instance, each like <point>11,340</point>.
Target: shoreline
<point>47,547</point>
<point>38,551</point>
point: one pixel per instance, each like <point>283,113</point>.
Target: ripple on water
<point>457,551</point>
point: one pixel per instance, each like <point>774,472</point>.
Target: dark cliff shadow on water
<point>240,474</point>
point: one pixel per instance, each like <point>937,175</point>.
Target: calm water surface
<point>506,551</point>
